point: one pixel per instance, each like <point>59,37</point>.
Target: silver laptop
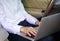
<point>49,25</point>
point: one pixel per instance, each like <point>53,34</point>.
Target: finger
<point>34,30</point>
<point>39,23</point>
<point>28,34</point>
<point>32,33</point>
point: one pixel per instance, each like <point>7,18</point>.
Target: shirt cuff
<point>32,21</point>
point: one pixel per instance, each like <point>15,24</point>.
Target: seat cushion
<point>34,7</point>
<point>40,4</point>
<point>34,12</point>
<point>3,34</point>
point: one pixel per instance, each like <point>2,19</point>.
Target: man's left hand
<point>37,23</point>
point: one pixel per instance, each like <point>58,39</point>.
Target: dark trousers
<point>14,37</point>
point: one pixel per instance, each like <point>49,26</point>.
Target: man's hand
<point>37,23</point>
<point>28,31</point>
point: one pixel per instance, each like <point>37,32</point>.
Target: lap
<point>14,37</point>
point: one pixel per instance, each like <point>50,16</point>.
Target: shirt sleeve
<point>28,17</point>
<point>7,23</point>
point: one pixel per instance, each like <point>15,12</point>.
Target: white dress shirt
<point>11,13</point>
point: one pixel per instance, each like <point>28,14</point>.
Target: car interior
<point>38,9</point>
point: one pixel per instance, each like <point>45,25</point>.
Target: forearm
<point>10,26</point>
<point>31,19</point>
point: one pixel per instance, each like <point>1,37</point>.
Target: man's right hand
<point>28,31</point>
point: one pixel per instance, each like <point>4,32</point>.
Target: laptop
<point>49,25</point>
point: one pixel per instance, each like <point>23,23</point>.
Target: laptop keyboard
<point>32,36</point>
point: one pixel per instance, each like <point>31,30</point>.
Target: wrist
<point>21,29</point>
